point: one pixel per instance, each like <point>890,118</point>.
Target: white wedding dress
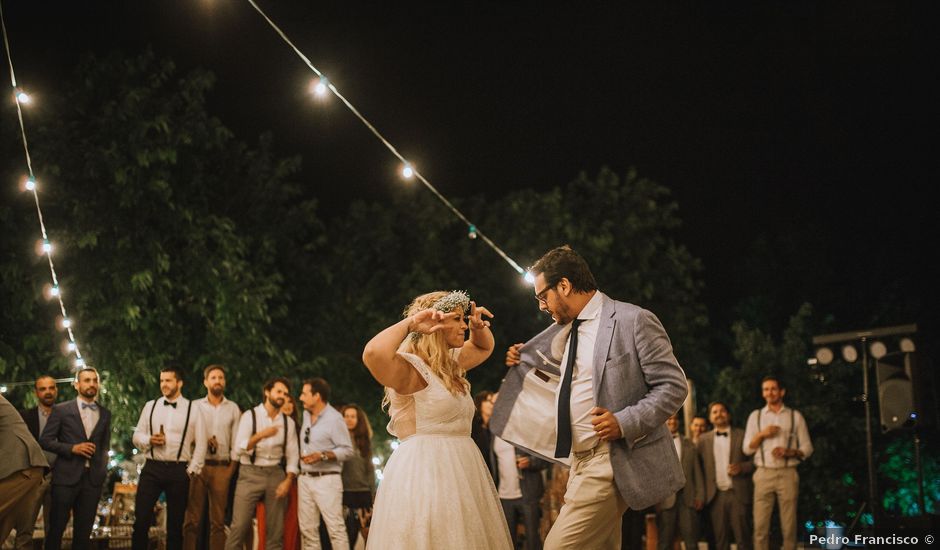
<point>436,492</point>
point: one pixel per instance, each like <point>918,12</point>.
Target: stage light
<point>877,349</point>
<point>849,353</point>
<point>824,356</point>
<point>907,345</point>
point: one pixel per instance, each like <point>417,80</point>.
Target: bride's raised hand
<point>429,320</point>
<point>475,319</point>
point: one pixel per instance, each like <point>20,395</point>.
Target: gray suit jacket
<point>694,483</point>
<point>18,447</point>
<point>741,483</point>
<point>636,376</point>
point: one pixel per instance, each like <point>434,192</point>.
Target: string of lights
<point>322,85</point>
<point>29,184</point>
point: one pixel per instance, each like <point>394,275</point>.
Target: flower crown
<point>453,300</point>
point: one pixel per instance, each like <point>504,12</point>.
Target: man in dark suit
<point>79,432</point>
<point>727,479</point>
<point>680,508</point>
<point>36,419</point>
<point>22,470</point>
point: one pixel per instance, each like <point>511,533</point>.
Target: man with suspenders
<point>778,438</point>
<point>266,447</point>
<point>171,435</point>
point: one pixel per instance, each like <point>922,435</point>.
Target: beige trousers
<point>590,517</point>
<point>784,485</point>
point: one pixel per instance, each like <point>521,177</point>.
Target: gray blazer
<point>636,376</point>
<point>694,483</point>
<point>18,447</point>
<point>741,483</point>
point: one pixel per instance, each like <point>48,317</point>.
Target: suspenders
<point>254,430</point>
<point>189,409</point>
<point>789,439</point>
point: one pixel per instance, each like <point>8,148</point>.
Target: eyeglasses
<point>541,297</point>
<point>307,436</point>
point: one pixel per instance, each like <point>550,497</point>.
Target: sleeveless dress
<point>436,492</point>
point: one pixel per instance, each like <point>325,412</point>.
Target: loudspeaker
<point>896,405</point>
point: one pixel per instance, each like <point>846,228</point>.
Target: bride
<point>436,492</point>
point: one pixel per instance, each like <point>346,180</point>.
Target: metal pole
<point>872,489</point>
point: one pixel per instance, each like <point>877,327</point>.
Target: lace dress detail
<point>436,492</point>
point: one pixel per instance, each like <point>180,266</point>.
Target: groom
<point>593,391</point>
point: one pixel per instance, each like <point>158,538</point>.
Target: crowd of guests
<point>733,478</point>
<point>282,465</point>
<point>304,471</point>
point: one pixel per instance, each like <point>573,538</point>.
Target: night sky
<point>763,120</point>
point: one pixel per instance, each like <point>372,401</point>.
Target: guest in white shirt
<point>778,438</point>
<point>172,436</point>
<point>266,448</point>
<point>220,418</point>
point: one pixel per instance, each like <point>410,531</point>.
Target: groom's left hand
<point>605,425</point>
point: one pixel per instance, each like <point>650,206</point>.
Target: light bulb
<point>320,86</point>
<point>22,97</point>
<point>529,277</point>
<point>30,184</point>
<point>407,171</point>
<point>66,323</point>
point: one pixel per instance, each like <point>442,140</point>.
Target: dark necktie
<point>168,404</point>
<point>721,434</point>
<point>92,406</point>
<point>563,443</point>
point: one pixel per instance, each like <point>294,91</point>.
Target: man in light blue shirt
<point>324,445</point>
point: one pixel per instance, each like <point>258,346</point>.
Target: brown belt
<point>214,462</point>
<point>318,474</point>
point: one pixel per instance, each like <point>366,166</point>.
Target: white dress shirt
<point>509,487</point>
<point>677,441</point>
<point>583,436</point>
<point>722,454</point>
<point>220,421</point>
<point>268,451</point>
<point>788,437</point>
<point>159,413</point>
<point>90,416</point>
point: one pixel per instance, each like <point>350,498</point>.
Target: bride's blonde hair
<point>432,348</point>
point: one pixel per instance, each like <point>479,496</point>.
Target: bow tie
<point>168,404</point>
<point>92,406</point>
<point>721,434</point>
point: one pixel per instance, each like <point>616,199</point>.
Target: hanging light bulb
<point>407,171</point>
<point>529,277</point>
<point>43,247</point>
<point>30,184</point>
<point>66,322</point>
<point>79,362</point>
<point>472,232</point>
<point>51,291</point>
<point>320,86</point>
<point>22,97</point>
<point>3,389</point>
